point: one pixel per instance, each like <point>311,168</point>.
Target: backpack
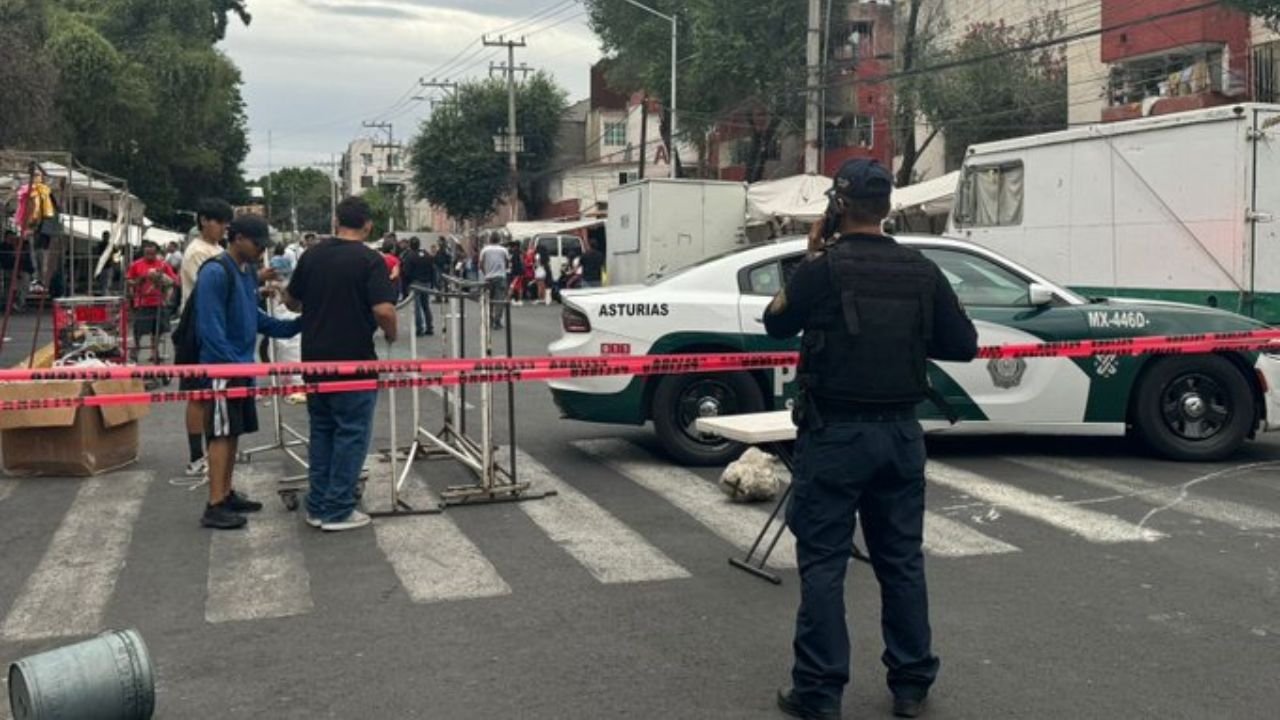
<point>186,341</point>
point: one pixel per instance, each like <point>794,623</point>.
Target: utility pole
<point>644,134</point>
<point>513,144</point>
<point>450,88</point>
<point>384,126</point>
<point>269,174</point>
<point>813,109</point>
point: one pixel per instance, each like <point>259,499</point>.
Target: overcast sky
<point>315,69</point>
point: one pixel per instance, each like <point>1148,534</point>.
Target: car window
<point>980,282</point>
<point>571,246</point>
<point>769,279</point>
<point>765,280</point>
<point>549,244</point>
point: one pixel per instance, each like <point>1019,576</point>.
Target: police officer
<point>872,312</point>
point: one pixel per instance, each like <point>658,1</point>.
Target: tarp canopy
<point>931,197</point>
<point>521,230</point>
<point>90,230</point>
<point>800,198</point>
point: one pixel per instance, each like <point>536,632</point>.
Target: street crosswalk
<point>261,573</point>
<point>70,588</point>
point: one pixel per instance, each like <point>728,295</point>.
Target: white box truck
<point>1180,207</point>
<point>660,226</point>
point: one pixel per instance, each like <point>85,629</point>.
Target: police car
<point>1195,408</point>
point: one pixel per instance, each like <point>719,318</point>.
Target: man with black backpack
<point>227,321</point>
<point>212,218</point>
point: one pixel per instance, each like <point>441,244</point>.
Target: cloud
<point>311,78</point>
<point>372,10</point>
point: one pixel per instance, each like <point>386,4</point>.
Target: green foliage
<point>134,88</point>
<point>26,73</point>
<point>1267,9</point>
<point>739,61</point>
<point>385,205</point>
<point>1018,93</point>
<point>455,164</point>
<point>306,190</point>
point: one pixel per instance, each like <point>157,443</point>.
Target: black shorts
<point>227,417</point>
<point>150,321</point>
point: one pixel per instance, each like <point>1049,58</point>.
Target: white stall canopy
<point>931,197</point>
<point>802,198</point>
<point>521,230</point>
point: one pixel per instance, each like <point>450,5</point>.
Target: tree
<point>1016,94</point>
<point>1269,10</point>
<point>306,191</point>
<point>921,24</point>
<point>135,88</point>
<point>26,93</point>
<point>386,206</point>
<point>454,161</point>
<point>742,62</point>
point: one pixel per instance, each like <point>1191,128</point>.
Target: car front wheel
<point>680,400</point>
<point>1197,409</point>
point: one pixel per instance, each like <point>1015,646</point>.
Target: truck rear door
<point>1264,215</point>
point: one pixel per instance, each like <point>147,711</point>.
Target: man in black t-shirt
<point>344,292</point>
<point>592,267</point>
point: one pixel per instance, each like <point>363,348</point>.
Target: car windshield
<point>661,275</point>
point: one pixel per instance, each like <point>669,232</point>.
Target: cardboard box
<point>69,442</point>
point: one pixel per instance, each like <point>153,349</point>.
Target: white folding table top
<point>752,429</point>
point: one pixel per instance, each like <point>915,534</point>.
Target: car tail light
<point>575,321</point>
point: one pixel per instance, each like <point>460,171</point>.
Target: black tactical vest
<point>869,345</point>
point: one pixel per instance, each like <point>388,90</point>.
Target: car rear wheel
<point>1196,409</point>
<point>680,400</point>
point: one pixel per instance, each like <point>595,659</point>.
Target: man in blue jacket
<point>228,322</point>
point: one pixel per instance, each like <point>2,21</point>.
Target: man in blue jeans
<point>345,294</point>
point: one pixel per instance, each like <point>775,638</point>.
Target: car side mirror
<point>1042,295</point>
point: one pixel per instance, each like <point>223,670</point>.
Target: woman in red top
<point>393,262</point>
<point>150,281</point>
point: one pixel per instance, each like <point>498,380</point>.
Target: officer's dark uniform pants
<point>876,470</point>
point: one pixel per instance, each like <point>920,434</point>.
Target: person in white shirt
<point>212,218</point>
<point>495,263</point>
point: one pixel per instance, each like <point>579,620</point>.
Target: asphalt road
<point>1069,578</point>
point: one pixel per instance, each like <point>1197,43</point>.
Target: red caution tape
<point>436,373</point>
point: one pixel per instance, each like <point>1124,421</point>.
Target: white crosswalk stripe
<point>75,580</point>
<point>1174,498</point>
<point>432,557</point>
<point>608,549</point>
<point>6,487</point>
<point>258,572</point>
<point>1092,526</point>
<point>738,525</point>
<point>949,538</point>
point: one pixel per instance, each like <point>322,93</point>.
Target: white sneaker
<point>353,521</point>
<point>314,522</point>
<point>199,468</point>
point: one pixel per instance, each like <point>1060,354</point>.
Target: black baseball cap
<point>863,180</point>
<point>253,227</point>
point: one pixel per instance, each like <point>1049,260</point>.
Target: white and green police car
<point>1184,407</point>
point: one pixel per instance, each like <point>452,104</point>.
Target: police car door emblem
<point>1107,365</point>
<point>1007,373</point>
